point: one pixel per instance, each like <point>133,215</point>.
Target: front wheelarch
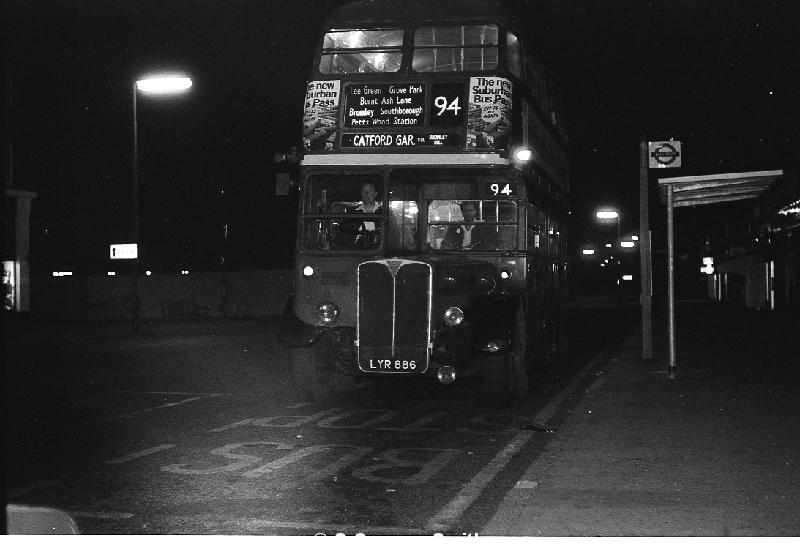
<point>315,375</point>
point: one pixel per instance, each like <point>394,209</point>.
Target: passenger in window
<point>469,235</point>
<point>367,233</point>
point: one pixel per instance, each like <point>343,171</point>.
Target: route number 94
<point>501,189</point>
<point>441,102</point>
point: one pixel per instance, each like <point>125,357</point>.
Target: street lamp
<point>609,215</point>
<point>167,84</point>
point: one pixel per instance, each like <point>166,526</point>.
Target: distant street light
<point>169,84</point>
<point>609,214</point>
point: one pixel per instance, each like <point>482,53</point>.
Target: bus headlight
<point>453,316</point>
<point>308,270</point>
<point>505,274</point>
<point>327,313</point>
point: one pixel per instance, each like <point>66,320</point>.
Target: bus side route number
<point>501,189</point>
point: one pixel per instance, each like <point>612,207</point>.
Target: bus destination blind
<point>384,105</point>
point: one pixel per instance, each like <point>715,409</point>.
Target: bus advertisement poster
<point>489,113</point>
<point>320,114</point>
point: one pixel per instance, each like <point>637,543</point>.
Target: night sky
<point>721,76</point>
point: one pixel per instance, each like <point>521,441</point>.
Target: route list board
<point>384,105</point>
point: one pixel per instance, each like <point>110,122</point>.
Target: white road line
<point>458,505</point>
<point>138,454</point>
<point>163,393</point>
<point>549,411</point>
<point>143,410</point>
<point>102,514</point>
<point>14,494</point>
<point>321,528</point>
<point>552,407</point>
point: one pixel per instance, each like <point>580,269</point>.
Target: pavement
<point>714,452</point>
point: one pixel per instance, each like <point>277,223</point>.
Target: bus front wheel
<point>506,375</point>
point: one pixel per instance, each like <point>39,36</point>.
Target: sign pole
<point>645,262</point>
<point>135,220</point>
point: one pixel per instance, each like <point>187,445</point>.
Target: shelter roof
<point>712,189</point>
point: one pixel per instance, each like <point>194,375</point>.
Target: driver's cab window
<point>343,212</point>
<point>460,218</point>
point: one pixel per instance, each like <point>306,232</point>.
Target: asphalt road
<point>194,429</point>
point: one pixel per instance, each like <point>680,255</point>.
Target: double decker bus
<point>433,201</point>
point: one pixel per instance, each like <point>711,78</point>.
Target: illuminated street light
<point>627,244</point>
<point>609,214</point>
<point>588,251</point>
<point>165,84</point>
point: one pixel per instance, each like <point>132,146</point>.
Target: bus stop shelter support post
<point>671,280</point>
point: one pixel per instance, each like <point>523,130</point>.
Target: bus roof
<point>370,11</point>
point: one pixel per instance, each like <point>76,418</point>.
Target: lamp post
<point>609,215</point>
<point>168,84</point>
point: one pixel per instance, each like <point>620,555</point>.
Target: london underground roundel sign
<point>664,154</point>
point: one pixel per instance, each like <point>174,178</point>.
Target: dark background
<point>720,76</point>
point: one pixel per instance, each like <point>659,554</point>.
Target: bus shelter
<point>680,192</point>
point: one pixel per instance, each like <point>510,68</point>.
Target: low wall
<point>162,296</point>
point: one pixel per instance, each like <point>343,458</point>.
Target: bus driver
<point>367,234</point>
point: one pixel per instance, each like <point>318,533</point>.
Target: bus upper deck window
<point>455,48</point>
<point>359,51</point>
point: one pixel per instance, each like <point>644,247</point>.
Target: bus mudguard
<point>293,332</point>
<point>492,322</point>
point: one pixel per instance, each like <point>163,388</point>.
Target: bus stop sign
<point>664,154</point>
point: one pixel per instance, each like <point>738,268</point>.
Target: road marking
<point>167,405</point>
<point>547,413</point>
<point>163,393</point>
<point>417,426</point>
<point>324,529</point>
<point>102,514</point>
<point>304,452</point>
<point>13,494</point>
<point>240,460</point>
<point>275,421</point>
<point>526,484</point>
<point>391,461</point>
<point>332,421</point>
<point>138,454</point>
<point>331,470</point>
<point>458,505</point>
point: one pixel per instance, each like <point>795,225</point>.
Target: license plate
<point>377,364</point>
